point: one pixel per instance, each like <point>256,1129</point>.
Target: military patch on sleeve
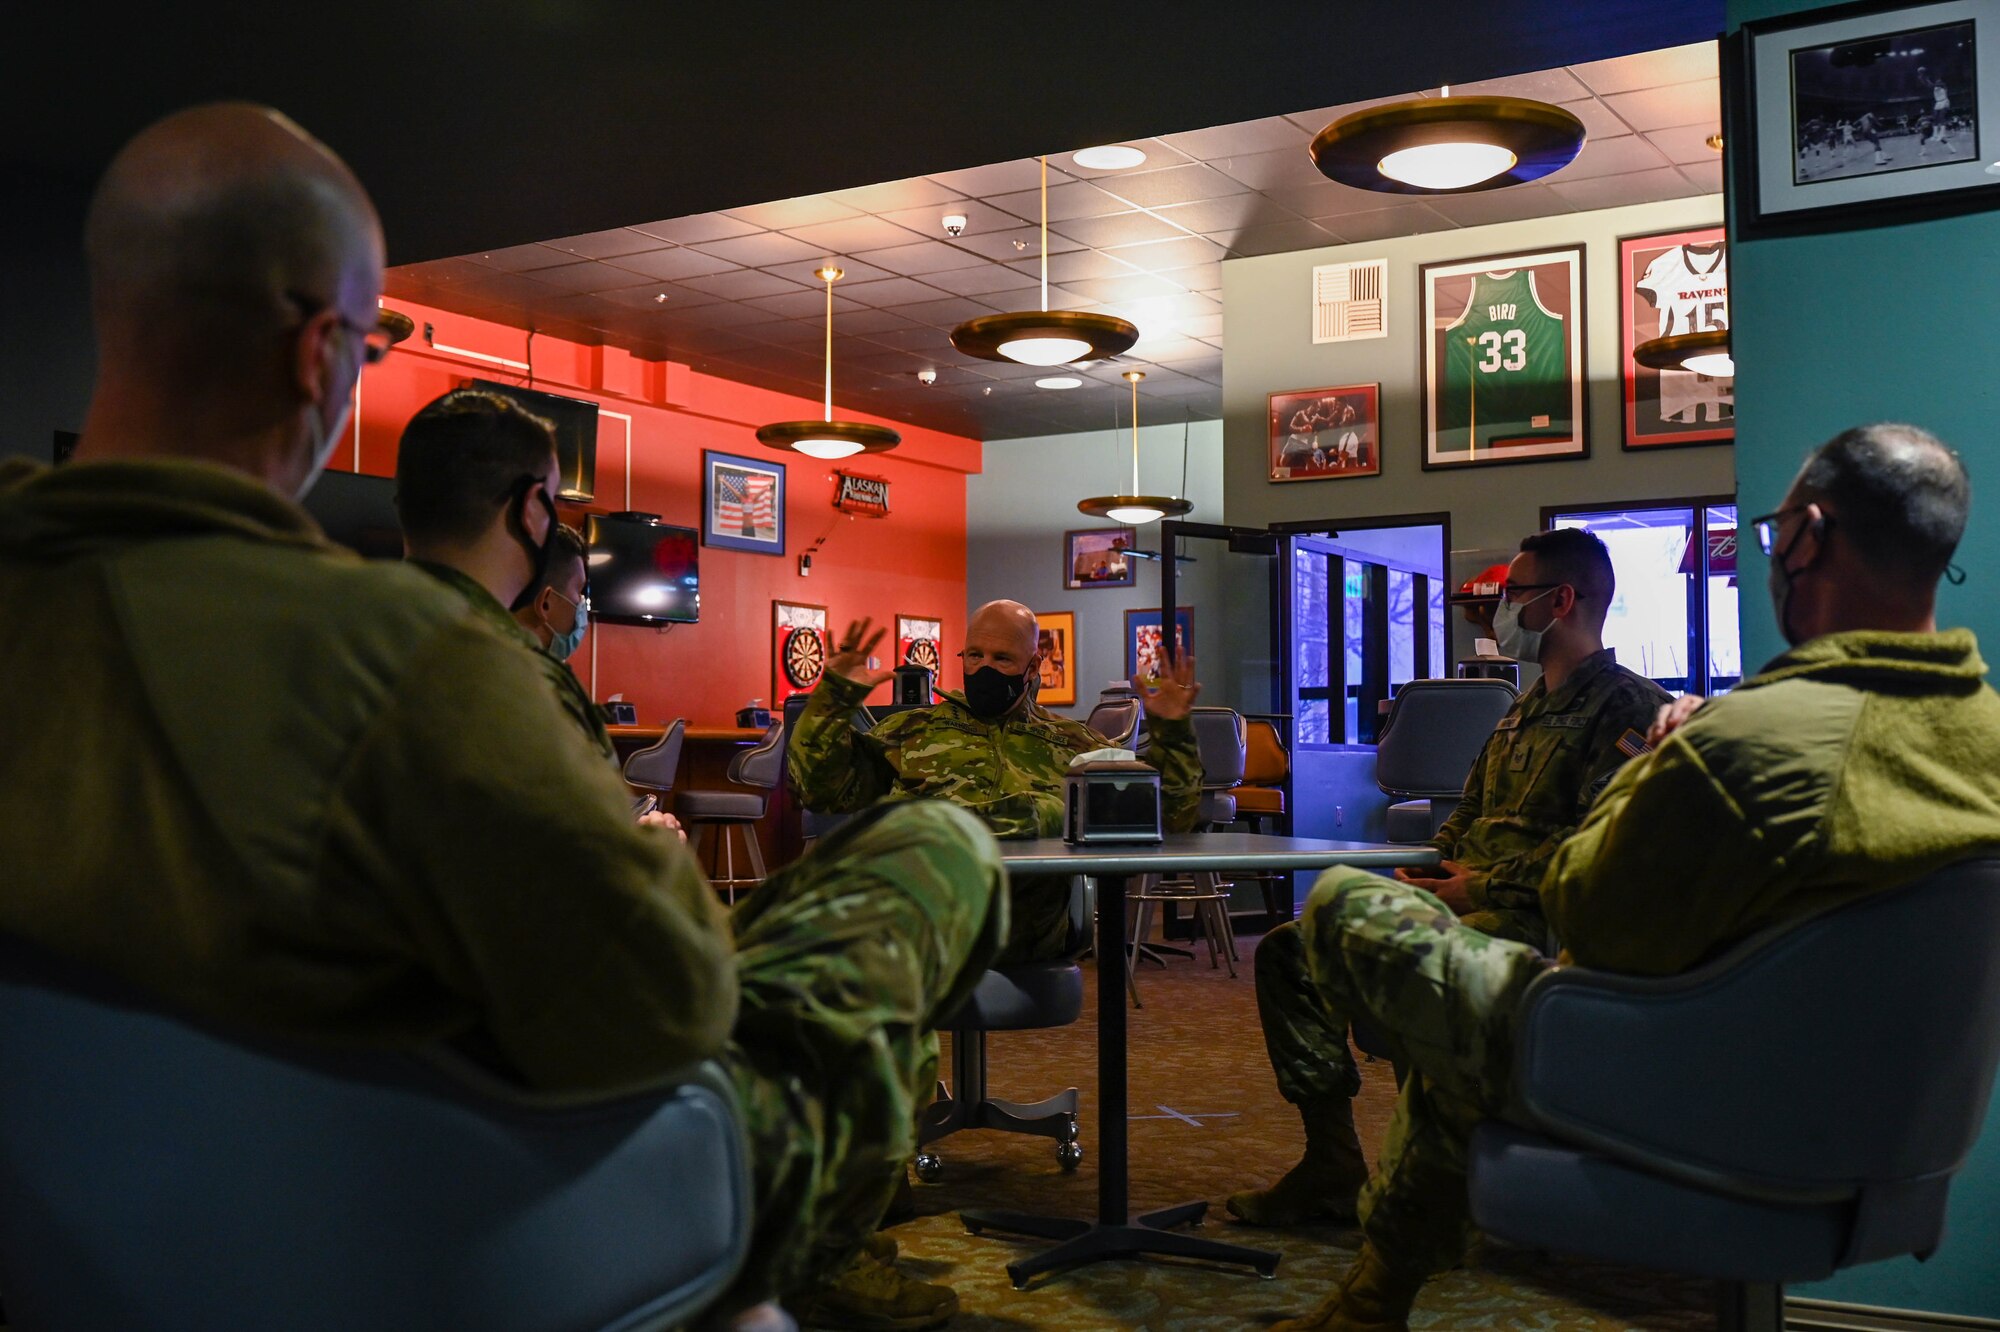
<point>1632,744</point>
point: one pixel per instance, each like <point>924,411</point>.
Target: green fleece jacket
<point>1853,764</point>
<point>281,786</point>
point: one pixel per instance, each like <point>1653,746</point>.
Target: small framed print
<point>1100,557</point>
<point>1143,640</point>
<point>1055,684</point>
<point>742,503</point>
<point>1864,114</point>
<point>799,649</point>
<point>1503,359</point>
<point>1319,434</point>
<point>920,642</point>
<point>1670,284</point>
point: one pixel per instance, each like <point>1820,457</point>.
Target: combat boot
<point>881,1246</point>
<point>872,1296</point>
<point>1321,1188</point>
<point>1371,1298</point>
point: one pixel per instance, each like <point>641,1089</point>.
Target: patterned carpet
<point>1207,1121</point>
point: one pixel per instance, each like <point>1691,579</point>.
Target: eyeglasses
<point>376,342</point>
<point>1509,591</point>
<point>1768,526</point>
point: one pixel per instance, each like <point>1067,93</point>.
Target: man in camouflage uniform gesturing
<point>991,749</point>
<point>1551,754</point>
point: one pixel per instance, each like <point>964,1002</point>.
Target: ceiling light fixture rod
<point>1133,377</point>
<point>831,275</point>
<point>1045,233</point>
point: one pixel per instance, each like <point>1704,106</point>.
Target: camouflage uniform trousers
<point>1447,996</point>
<point>846,960</point>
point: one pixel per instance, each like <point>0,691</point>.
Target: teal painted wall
<point>1890,323</point>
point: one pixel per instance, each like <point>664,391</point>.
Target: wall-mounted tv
<point>575,422</point>
<point>642,571</point>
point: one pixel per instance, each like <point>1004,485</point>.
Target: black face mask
<point>990,692</point>
<point>538,556</point>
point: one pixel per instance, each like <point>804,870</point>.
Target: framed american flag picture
<point>742,503</point>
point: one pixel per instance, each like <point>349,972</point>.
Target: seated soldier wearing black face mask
<point>992,750</point>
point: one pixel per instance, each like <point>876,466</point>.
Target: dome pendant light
<point>1045,336</point>
<point>1701,353</point>
<point>828,439</point>
<point>1448,145</point>
<point>1135,509</point>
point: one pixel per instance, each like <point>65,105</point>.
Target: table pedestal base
<point>1095,1242</point>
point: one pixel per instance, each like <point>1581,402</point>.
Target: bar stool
<point>654,768</point>
<point>720,814</point>
<point>1211,916</point>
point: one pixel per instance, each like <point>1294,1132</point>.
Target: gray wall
<point>47,358</point>
<point>1268,348</point>
<point>1019,506</point>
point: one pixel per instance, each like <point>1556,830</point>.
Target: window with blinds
<point>1349,301</point>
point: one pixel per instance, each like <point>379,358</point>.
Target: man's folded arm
<point>1177,757</point>
<point>833,767</point>
<point>593,948</point>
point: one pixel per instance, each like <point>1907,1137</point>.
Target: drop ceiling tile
<point>862,322</point>
<point>1169,350</point>
<point>790,332</point>
<point>1617,191</point>
<point>1490,206</point>
<point>788,213</point>
<point>1279,238</point>
<point>607,244</point>
<point>701,227</point>
<point>586,276</point>
<point>506,289</point>
<point>853,235</point>
<point>980,280</point>
<point>724,314</point>
<point>1324,199</point>
<point>1705,176</point>
<point>891,291</point>
<point>1408,219</point>
<point>984,182</point>
<point>1610,157</point>
<point>1138,287</point>
<point>1073,265</point>
<point>1009,245</point>
<point>1203,326</point>
<point>645,297</point>
<point>1244,137</point>
<point>1060,298</point>
<point>928,338</point>
<point>979,217</point>
<point>715,340</point>
<point>916,192</point>
<point>520,258</point>
<point>797,304</point>
<point>806,273</point>
<point>1230,214</point>
<point>1312,122</point>
<point>1546,85</point>
<point>1686,145</point>
<point>675,265</point>
<point>1201,277</point>
<point>1172,185</point>
<point>924,257</point>
<point>1664,108</point>
<point>946,313</point>
<point>439,272</point>
<point>1132,228</point>
<point>1165,309</point>
<point>1599,122</point>
<point>1182,251</point>
<point>1650,69</point>
<point>1074,199</point>
<point>1010,370</point>
<point>743,284</point>
<point>763,250</point>
<point>1291,166</point>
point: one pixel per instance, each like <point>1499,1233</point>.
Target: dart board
<point>924,652</point>
<point>805,657</point>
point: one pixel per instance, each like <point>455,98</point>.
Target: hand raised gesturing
<point>850,660</point>
<point>1172,695</point>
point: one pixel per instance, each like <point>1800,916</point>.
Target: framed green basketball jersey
<point>1503,359</point>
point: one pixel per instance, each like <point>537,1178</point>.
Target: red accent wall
<point>912,562</point>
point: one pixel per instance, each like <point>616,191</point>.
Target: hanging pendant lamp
<point>1135,509</point>
<point>828,439</point>
<point>1045,336</point>
<point>1703,353</point>
<point>1448,145</point>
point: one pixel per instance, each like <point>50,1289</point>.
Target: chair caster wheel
<point>929,1167</point>
<point>1069,1156</point>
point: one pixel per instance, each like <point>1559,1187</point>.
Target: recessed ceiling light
<point>1059,382</point>
<point>1109,157</point>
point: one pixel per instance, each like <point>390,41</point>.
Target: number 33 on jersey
<point>1504,380</point>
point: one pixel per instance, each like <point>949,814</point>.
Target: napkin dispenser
<point>1111,800</point>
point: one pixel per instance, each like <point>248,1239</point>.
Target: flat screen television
<point>642,571</point>
<point>359,512</point>
<point>575,422</point>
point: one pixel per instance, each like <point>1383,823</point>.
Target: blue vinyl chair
<point>158,1172</point>
<point>1796,1106</point>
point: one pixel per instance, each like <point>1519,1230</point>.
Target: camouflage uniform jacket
<point>563,680</point>
<point>1531,785</point>
<point>1008,772</point>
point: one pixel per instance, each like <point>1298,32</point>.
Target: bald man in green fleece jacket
<point>1863,758</point>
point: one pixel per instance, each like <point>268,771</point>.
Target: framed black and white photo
<point>1866,113</point>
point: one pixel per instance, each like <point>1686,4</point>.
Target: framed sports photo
<point>1055,685</point>
<point>1099,557</point>
<point>1504,370</point>
<point>920,642</point>
<point>1321,434</point>
<point>1669,284</point>
<point>1143,640</point>
<point>742,503</point>
<point>1863,114</point>
<point>799,649</point>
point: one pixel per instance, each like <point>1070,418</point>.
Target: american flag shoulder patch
<point>1632,744</point>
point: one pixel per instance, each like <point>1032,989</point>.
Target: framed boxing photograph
<point>1100,557</point>
<point>742,503</point>
<point>1055,684</point>
<point>1673,283</point>
<point>1325,434</point>
<point>1504,370</point>
<point>1863,114</point>
<point>799,649</point>
<point>920,642</point>
<point>1144,641</point>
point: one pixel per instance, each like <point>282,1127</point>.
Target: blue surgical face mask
<point>563,646</point>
